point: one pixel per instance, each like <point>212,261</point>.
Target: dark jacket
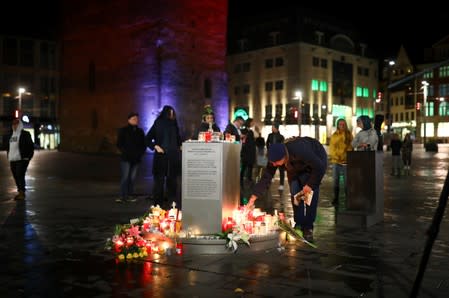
<point>165,134</point>
<point>396,146</point>
<point>274,138</point>
<point>26,145</point>
<point>230,128</point>
<point>131,143</point>
<point>307,162</point>
<point>248,152</point>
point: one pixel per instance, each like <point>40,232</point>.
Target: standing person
<point>407,148</point>
<point>261,154</point>
<point>131,144</point>
<point>275,137</point>
<point>339,145</point>
<point>234,127</point>
<point>396,146</point>
<point>305,160</point>
<point>19,150</point>
<point>164,138</point>
<point>366,138</point>
<point>248,152</point>
<point>207,123</point>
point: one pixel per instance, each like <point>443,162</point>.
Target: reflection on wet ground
<point>53,242</point>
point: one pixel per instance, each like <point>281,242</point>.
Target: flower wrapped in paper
<point>301,196</point>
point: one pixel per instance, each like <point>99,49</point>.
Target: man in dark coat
<point>131,143</point>
<point>234,128</point>
<point>248,152</point>
<point>305,161</point>
<point>20,150</point>
<point>275,137</point>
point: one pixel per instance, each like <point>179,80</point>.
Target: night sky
<point>382,27</point>
<point>38,19</point>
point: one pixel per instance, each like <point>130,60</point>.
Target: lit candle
<point>173,212</point>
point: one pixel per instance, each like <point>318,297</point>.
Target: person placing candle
<point>305,161</point>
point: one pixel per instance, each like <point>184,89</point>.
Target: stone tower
<point>120,56</point>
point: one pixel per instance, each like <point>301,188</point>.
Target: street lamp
<point>391,63</point>
<point>21,90</point>
<point>425,86</point>
<point>298,97</point>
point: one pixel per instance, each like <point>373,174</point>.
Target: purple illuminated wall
<point>139,56</point>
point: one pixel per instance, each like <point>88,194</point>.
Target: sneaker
<point>119,200</point>
<point>308,234</point>
<point>281,187</point>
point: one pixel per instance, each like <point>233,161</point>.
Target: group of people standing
<point>165,140</point>
<point>342,141</point>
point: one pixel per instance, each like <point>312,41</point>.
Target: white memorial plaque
<point>202,172</point>
<point>210,185</point>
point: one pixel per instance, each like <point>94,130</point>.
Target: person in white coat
<point>20,150</point>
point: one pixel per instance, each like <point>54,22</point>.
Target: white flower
<point>234,237</point>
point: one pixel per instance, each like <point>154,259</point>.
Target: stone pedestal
<point>365,194</point>
<point>210,185</point>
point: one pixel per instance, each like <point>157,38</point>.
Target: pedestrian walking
<point>406,152</point>
<point>275,137</point>
<point>305,160</point>
<point>339,145</point>
<point>396,146</point>
<point>131,144</point>
<point>20,151</point>
<point>164,138</point>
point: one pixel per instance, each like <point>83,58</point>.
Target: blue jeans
<point>338,170</point>
<point>304,215</point>
<point>128,176</point>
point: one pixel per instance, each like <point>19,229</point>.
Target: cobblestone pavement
<point>52,244</point>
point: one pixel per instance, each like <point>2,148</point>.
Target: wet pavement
<point>52,244</point>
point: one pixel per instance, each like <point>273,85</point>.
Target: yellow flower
<point>121,257</point>
<point>129,256</point>
<point>135,255</point>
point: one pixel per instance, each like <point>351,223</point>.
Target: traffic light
<point>418,106</point>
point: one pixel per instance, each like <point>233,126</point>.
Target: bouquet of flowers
<point>301,196</point>
<point>127,243</point>
<point>297,234</point>
<point>233,237</point>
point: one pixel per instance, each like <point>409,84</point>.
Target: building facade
<point>29,87</point>
<point>296,69</point>
<point>418,95</point>
<point>401,115</point>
